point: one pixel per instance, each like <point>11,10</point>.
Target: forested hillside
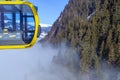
<point>92,27</point>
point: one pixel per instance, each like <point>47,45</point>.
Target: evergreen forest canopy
<point>92,27</point>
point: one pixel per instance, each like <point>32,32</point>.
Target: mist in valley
<point>43,62</point>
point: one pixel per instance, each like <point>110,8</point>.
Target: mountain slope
<point>45,28</point>
<point>96,39</point>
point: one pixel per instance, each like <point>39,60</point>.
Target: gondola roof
<point>15,8</point>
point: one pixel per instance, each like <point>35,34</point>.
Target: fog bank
<point>37,63</point>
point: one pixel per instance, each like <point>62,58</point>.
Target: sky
<point>49,10</point>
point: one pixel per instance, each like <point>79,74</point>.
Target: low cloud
<point>43,62</point>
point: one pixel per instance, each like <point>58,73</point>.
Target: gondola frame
<point>36,24</point>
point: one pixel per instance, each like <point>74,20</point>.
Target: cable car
<point>19,24</point>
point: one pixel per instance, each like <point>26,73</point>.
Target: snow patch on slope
<point>45,28</point>
<point>42,35</point>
